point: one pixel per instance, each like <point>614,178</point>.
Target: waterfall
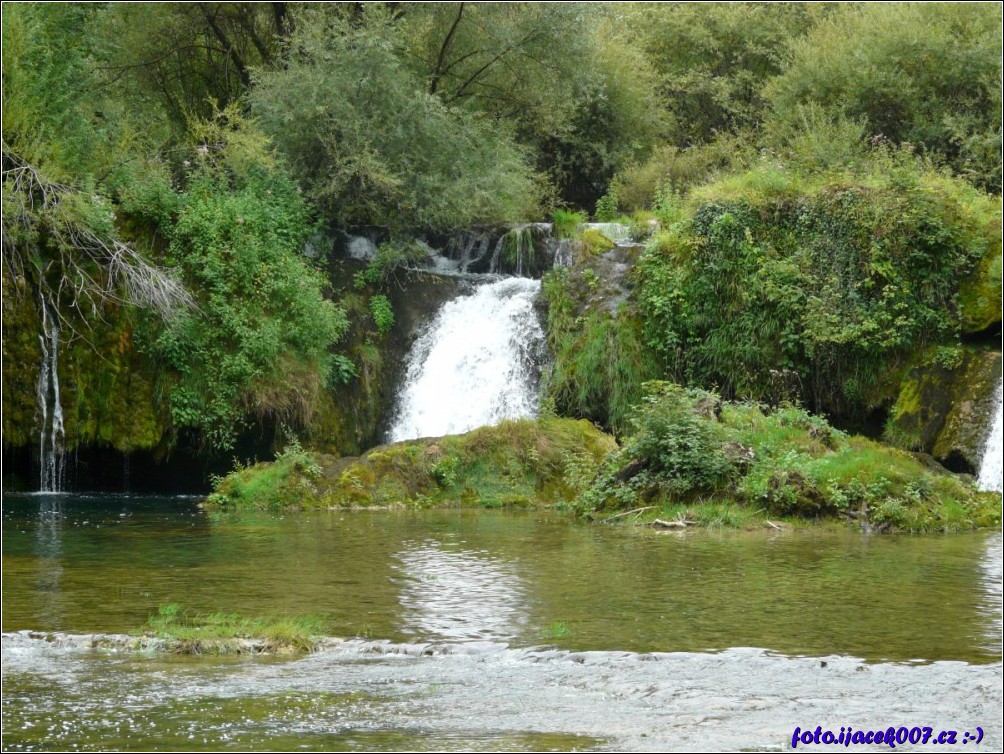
<point>51,436</point>
<point>477,363</point>
<point>990,466</point>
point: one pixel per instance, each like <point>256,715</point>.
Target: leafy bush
<point>259,341</point>
<point>390,257</point>
<point>686,446</point>
<point>607,207</point>
<point>673,449</point>
<point>383,313</point>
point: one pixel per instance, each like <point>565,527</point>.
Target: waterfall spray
<point>477,364</point>
<point>993,453</point>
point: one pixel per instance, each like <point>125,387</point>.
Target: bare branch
<point>79,268</point>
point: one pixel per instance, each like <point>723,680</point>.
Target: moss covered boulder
<point>945,404</point>
<point>980,295</point>
<point>516,463</point>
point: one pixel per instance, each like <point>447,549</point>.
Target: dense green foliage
<point>599,360</point>
<point>773,285</point>
<point>713,60</point>
<point>259,342</point>
<point>103,226</point>
<point>372,147</point>
<point>817,171</point>
<point>924,73</point>
<point>685,445</point>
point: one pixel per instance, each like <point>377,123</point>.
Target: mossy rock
<point>513,464</point>
<point>945,404</point>
<point>21,360</point>
<point>980,295</point>
<point>595,242</point>
<point>110,392</point>
<point>350,418</point>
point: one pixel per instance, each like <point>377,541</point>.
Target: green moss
<point>515,463</point>
<point>599,357</point>
<point>21,359</point>
<point>820,287</point>
<point>980,294</point>
<point>110,392</point>
<point>944,403</point>
<point>593,242</point>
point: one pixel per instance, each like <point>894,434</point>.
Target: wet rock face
<point>944,408</point>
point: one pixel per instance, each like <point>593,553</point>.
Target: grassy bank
<point>516,463</point>
<point>185,632</point>
<point>689,459</point>
<point>693,456</point>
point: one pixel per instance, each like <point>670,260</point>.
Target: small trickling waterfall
<point>526,250</point>
<point>51,436</point>
<point>991,473</point>
<point>476,364</point>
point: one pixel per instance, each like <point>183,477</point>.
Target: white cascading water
<point>51,437</point>
<point>991,472</point>
<point>477,364</point>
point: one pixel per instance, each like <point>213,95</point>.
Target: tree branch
<point>444,50</point>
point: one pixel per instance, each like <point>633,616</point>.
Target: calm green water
<point>510,631</point>
<point>102,565</point>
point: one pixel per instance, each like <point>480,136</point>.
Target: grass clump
<point>593,242</point>
<point>187,632</point>
<point>686,446</point>
<point>287,482</point>
<point>567,223</point>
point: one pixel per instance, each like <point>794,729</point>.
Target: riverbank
<point>691,460</point>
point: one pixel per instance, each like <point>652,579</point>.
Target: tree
<point>713,60</point>
<point>371,145</point>
<point>927,74</point>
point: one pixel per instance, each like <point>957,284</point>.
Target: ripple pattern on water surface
<point>377,695</point>
<point>459,595</point>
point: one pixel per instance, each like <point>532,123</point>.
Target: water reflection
<point>49,550</point>
<point>991,568</point>
<point>104,564</point>
<point>459,595</point>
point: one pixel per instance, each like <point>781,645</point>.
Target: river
<point>491,630</point>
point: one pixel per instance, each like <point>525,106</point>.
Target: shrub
<point>259,342</point>
<point>686,446</point>
<point>383,313</point>
<point>566,223</point>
